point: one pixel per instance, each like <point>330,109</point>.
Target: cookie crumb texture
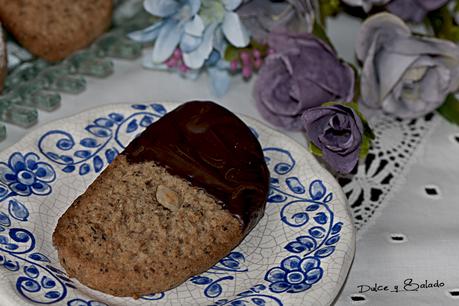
<point>138,230</point>
<point>53,29</point>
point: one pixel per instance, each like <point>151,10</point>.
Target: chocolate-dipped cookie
<point>180,197</point>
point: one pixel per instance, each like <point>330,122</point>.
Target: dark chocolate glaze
<point>213,149</point>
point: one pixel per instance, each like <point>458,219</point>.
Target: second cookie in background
<point>53,29</point>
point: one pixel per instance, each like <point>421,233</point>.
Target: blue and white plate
<point>299,253</point>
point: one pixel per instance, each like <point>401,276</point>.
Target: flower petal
<point>161,8</point>
<point>196,58</point>
<point>309,263</point>
<point>234,30</point>
<point>430,5</point>
<point>7,175</point>
<point>168,39</point>
<point>220,80</point>
<point>31,160</point>
<point>275,275</point>
<point>279,287</point>
<point>148,63</point>
<point>44,172</point>
<point>314,275</point>
<point>195,27</point>
<point>365,4</point>
<point>41,188</point>
<point>291,263</point>
<point>219,43</point>
<point>189,43</point>
<point>287,122</point>
<point>391,71</point>
<point>414,10</point>
<point>17,162</point>
<point>20,189</point>
<point>413,97</point>
<point>342,163</point>
<point>3,191</point>
<point>423,45</point>
<point>384,24</point>
<point>231,5</point>
<point>148,34</point>
<point>299,288</point>
<point>369,89</point>
<point>214,60</point>
<point>195,6</point>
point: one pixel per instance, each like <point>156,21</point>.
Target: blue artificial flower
<point>25,175</point>
<point>294,274</point>
<point>194,27</point>
<point>219,75</point>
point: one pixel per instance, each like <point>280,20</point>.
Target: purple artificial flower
<point>367,5</point>
<point>403,74</point>
<point>260,17</point>
<point>414,10</point>
<point>303,72</point>
<point>338,131</point>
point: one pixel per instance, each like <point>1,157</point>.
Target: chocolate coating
<point>213,149</point>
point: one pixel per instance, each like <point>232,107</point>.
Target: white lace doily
<point>408,238</point>
<point>383,170</point>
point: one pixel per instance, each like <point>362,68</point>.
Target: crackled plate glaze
<point>299,253</point>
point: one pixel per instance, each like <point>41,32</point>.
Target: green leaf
<point>356,82</point>
<point>450,109</point>
<point>231,53</point>
<point>367,131</point>
<point>328,8</point>
<point>332,103</point>
<point>443,24</point>
<point>367,137</point>
<point>364,147</point>
<point>319,32</point>
<point>352,105</point>
<point>263,48</point>
<point>454,34</point>
<point>368,134</point>
<point>315,149</point>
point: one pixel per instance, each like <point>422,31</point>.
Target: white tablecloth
<point>386,270</point>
